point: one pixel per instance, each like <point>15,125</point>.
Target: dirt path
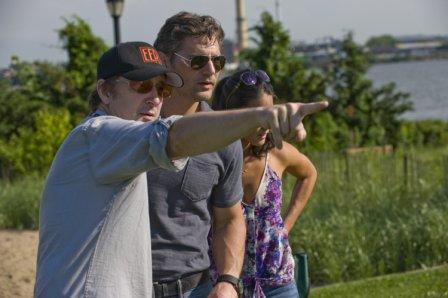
<point>17,263</point>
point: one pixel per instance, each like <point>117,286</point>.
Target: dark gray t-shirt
<point>180,209</point>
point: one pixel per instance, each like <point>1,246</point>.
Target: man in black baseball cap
<point>94,234</point>
<point>137,61</point>
<point>94,226</point>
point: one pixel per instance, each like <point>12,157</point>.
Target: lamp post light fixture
<point>115,8</point>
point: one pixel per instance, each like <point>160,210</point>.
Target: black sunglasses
<point>198,62</point>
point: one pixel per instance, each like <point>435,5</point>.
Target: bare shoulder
<point>286,155</point>
<point>294,162</point>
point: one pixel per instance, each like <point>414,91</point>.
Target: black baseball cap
<point>136,61</point>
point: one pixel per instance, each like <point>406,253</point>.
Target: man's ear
<point>103,91</point>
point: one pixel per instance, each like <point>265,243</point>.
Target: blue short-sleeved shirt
<point>94,226</point>
<point>180,208</point>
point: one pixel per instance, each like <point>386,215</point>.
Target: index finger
<point>311,108</point>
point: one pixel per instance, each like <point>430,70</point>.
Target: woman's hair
<point>231,93</point>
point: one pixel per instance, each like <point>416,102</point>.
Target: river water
<point>426,81</point>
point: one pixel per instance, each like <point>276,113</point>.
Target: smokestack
<point>241,25</point>
<point>277,10</point>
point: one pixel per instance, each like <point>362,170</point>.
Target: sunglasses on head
<point>198,62</point>
<point>249,78</point>
<point>163,89</point>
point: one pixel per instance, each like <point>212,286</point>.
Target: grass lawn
<point>431,282</point>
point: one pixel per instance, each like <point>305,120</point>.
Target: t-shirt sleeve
<point>229,189</point>
<point>121,149</point>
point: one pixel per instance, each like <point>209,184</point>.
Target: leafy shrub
<point>33,149</point>
<point>424,133</point>
<point>19,203</point>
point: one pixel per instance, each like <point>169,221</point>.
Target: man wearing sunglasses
<point>93,235</point>
<point>185,205</point>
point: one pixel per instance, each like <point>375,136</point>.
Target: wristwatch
<point>234,281</point>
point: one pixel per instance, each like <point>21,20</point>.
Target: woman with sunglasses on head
<point>268,269</point>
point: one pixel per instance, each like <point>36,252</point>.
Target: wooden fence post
<point>347,166</point>
<point>406,170</point>
<point>445,172</point>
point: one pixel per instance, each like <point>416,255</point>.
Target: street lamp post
<point>115,8</point>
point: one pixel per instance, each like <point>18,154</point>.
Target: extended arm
<point>210,131</point>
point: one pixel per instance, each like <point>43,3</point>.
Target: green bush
<point>424,133</point>
<point>19,203</point>
<point>33,149</point>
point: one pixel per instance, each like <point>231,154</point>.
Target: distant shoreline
<point>399,60</point>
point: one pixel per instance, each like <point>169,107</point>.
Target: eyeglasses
<point>250,78</point>
<point>198,62</point>
<point>163,89</point>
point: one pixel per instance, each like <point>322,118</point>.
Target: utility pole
<point>241,25</point>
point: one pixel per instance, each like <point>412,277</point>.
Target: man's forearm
<point>228,246</point>
<point>210,131</point>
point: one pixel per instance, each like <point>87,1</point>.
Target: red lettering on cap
<point>150,55</point>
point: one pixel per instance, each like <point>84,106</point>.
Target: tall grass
<point>19,203</point>
<point>385,214</point>
<point>373,214</point>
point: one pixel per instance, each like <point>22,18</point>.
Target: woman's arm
<point>298,165</point>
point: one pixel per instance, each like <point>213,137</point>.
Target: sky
<point>28,27</point>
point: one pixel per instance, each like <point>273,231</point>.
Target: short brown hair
<point>185,24</point>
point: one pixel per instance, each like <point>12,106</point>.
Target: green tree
<point>382,41</point>
<point>83,49</point>
<point>31,86</point>
<point>291,79</point>
<point>370,113</point>
<point>28,88</point>
<point>32,149</point>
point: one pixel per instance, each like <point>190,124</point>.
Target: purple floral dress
<point>268,259</point>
